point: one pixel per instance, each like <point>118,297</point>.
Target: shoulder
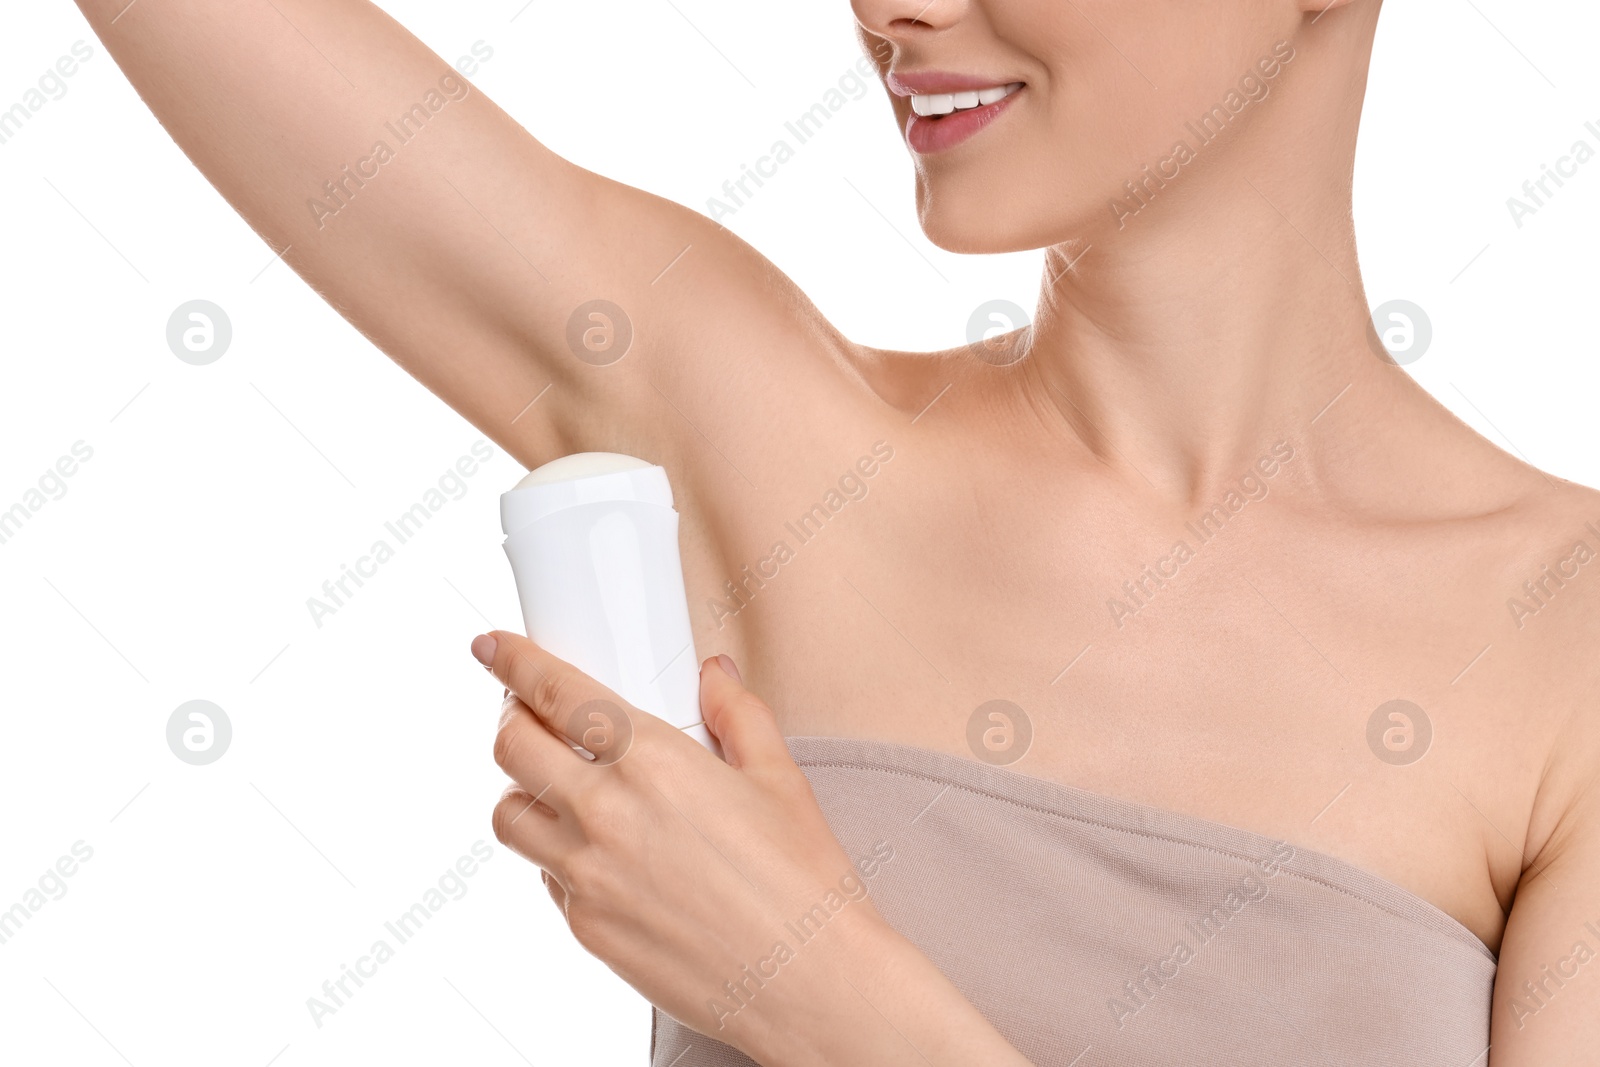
<point>1550,631</point>
<point>1551,569</point>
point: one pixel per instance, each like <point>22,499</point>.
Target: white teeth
<point>945,103</point>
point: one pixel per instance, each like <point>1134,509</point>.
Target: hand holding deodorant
<point>593,544</point>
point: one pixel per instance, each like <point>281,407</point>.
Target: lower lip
<point>926,134</point>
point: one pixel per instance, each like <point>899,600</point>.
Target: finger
<point>532,829</point>
<point>572,704</point>
<point>538,761</point>
<point>741,720</point>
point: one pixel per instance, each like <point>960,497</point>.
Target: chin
<point>971,220</point>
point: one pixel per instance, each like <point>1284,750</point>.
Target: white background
<point>219,498</point>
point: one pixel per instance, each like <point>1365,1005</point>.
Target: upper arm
<point>437,225</point>
<point>1546,1010</point>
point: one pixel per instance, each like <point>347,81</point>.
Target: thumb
<point>742,722</point>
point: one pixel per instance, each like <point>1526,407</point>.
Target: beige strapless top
<point>1095,932</point>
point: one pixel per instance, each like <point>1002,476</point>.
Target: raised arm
<point>439,227</point>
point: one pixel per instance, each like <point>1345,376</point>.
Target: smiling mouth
<point>934,105</point>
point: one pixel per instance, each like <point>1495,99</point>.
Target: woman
<point>1173,681</point>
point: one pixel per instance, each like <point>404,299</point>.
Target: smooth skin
<point>1171,351</point>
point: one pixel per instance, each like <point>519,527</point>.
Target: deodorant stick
<point>593,544</point>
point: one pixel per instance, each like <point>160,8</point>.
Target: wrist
<point>821,998</point>
<point>859,993</point>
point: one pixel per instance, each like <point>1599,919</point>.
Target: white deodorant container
<point>593,544</point>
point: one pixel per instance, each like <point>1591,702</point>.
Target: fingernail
<point>725,661</point>
<point>483,647</point>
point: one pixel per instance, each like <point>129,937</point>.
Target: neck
<point>1183,339</point>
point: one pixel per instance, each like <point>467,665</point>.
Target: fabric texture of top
<point>1096,932</point>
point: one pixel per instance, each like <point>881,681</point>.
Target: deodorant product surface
<point>593,544</point>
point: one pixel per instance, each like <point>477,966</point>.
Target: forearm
<point>861,995</point>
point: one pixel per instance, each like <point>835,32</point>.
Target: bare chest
<point>1226,671</point>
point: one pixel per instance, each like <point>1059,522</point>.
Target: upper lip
<point>926,82</point>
